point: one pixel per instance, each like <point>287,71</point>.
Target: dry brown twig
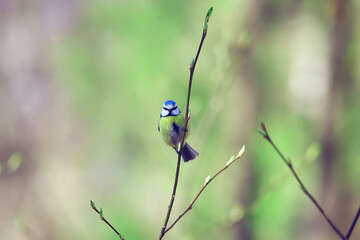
<point>266,135</point>
<point>92,204</point>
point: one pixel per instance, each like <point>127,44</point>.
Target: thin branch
<point>353,224</point>
<point>103,218</point>
<point>162,232</point>
<point>265,134</point>
<point>192,68</point>
<point>207,182</point>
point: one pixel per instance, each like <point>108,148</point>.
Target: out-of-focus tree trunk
<point>27,31</point>
<point>339,78</point>
<point>255,23</point>
<point>242,53</point>
<point>331,138</point>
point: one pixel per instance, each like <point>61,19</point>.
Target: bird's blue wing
<point>175,134</point>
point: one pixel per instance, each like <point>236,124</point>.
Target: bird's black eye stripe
<point>170,109</point>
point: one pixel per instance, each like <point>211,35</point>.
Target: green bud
<point>230,160</point>
<point>192,63</point>
<point>207,179</point>
<point>101,214</point>
<point>242,151</point>
<point>207,18</point>
<point>208,14</point>
<point>92,204</point>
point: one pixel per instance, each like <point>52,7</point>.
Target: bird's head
<point>170,109</point>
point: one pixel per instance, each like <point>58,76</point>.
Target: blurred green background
<point>82,84</point>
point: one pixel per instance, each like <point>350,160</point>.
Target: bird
<point>172,128</point>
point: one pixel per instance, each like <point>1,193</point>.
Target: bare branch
<point>103,218</point>
<point>265,134</point>
<point>353,224</point>
<point>207,182</point>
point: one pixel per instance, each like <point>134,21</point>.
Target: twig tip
<point>92,204</point>
<point>192,63</point>
<point>208,14</point>
<point>101,214</point>
<point>262,124</point>
<point>207,18</point>
<point>241,152</point>
<point>207,180</point>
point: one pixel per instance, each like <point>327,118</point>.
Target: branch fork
<point>266,135</point>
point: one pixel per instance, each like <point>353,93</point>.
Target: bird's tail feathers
<point>188,153</point>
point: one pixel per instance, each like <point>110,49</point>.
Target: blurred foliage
<point>14,162</point>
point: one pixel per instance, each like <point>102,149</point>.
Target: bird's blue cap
<point>170,104</point>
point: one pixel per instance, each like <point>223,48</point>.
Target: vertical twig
<point>162,232</point>
<point>265,134</point>
<point>192,68</point>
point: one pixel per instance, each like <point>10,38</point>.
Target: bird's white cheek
<point>175,112</point>
<point>164,113</point>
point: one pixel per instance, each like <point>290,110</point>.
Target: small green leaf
<point>192,63</point>
<point>207,179</point>
<point>207,18</point>
<point>208,14</point>
<point>241,152</point>
<point>92,204</point>
<point>230,160</point>
<point>101,214</point>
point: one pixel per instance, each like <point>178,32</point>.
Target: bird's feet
<point>184,129</point>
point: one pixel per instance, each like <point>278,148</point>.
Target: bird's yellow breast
<point>166,126</point>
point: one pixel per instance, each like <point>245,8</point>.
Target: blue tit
<point>171,127</point>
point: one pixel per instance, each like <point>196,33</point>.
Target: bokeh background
<point>81,88</point>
